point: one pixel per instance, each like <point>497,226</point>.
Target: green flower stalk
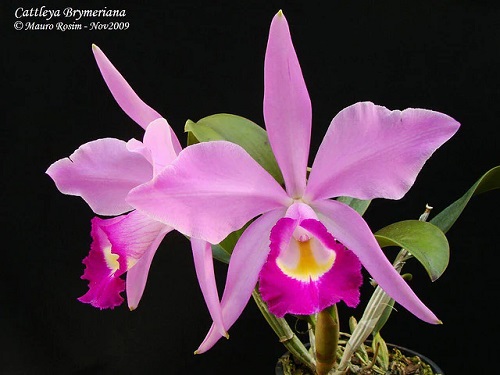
<point>327,338</point>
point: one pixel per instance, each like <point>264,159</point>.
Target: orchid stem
<point>285,333</point>
<point>327,339</point>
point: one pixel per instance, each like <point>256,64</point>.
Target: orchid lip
<point>307,270</point>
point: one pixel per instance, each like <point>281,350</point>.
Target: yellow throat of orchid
<point>305,259</point>
<point>111,259</point>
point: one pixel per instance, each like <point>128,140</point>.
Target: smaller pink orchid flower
<point>302,248</point>
<point>103,172</point>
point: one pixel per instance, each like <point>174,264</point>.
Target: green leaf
<point>239,130</point>
<point>220,254</point>
<point>423,240</point>
<point>229,242</point>
<point>359,205</point>
<point>488,181</point>
<point>191,139</point>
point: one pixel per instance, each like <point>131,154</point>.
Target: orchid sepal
<point>124,95</point>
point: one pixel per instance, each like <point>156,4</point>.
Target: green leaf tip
<point>189,125</point>
<point>488,181</point>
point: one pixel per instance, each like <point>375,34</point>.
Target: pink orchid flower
<point>304,249</point>
<point>102,172</point>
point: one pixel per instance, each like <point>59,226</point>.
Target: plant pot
<point>279,369</point>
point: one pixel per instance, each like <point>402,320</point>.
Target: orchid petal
<point>125,96</point>
<point>371,152</point>
<point>134,145</point>
<point>102,172</point>
<point>230,186</point>
<point>247,259</point>
<point>158,139</point>
<point>287,107</point>
<point>203,262</point>
<point>157,147</point>
<point>348,227</point>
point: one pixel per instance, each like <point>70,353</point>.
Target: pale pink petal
<point>134,145</point>
<point>210,190</point>
<point>287,107</point>
<point>371,152</point>
<point>348,227</point>
<point>157,146</point>
<point>102,172</point>
<point>125,96</point>
<point>247,259</point>
<point>158,139</point>
<point>203,262</point>
<point>307,270</point>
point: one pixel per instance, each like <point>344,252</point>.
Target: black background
<point>188,61</point>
